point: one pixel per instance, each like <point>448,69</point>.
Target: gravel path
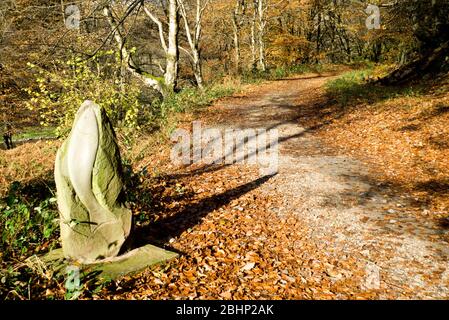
<point>349,218</point>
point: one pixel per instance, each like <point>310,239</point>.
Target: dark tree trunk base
<point>432,62</point>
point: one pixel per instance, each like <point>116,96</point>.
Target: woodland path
<point>321,228</point>
<point>346,214</point>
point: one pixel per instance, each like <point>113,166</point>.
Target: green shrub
<point>190,99</point>
<point>26,224</point>
<point>354,87</point>
<point>58,93</point>
<point>280,72</point>
<point>256,76</point>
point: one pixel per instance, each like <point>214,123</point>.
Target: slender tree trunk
<point>236,39</point>
<point>172,54</point>
<point>403,57</point>
<point>236,25</point>
<point>262,63</point>
<point>194,38</point>
<point>198,70</point>
<point>262,23</point>
<point>318,37</point>
<point>171,50</point>
<point>253,39</point>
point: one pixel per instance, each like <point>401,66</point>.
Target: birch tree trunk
<point>194,37</point>
<point>171,50</point>
<point>258,25</point>
<point>261,8</point>
<point>172,53</point>
<point>236,40</point>
<point>253,37</point>
<point>236,26</point>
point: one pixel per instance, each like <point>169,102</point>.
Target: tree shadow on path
<point>161,231</point>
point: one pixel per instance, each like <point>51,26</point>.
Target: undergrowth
<point>359,86</point>
<point>29,225</point>
<point>281,72</point>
